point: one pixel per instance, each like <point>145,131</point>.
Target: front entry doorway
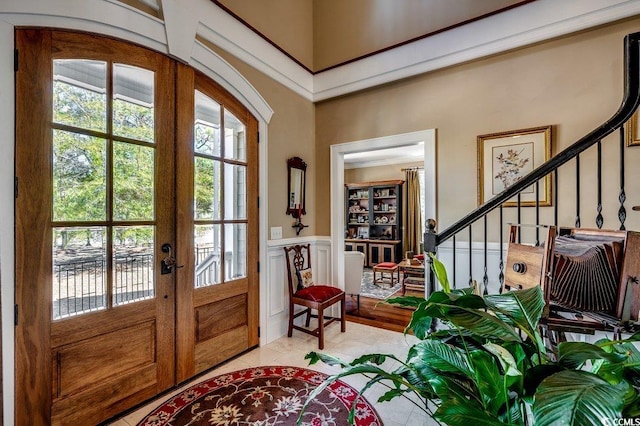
<point>136,226</point>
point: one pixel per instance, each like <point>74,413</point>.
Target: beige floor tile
<point>357,340</point>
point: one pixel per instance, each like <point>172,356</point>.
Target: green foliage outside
<point>487,364</point>
<point>80,165</point>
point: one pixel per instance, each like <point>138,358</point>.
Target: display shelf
<point>373,220</point>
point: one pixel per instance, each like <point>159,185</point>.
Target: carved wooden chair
<point>304,292</point>
<point>549,265</point>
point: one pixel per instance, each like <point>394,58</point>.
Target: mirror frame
<point>298,164</point>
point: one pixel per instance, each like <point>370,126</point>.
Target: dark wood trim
<point>375,52</point>
<point>264,37</point>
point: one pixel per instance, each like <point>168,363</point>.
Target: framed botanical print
<point>633,139</point>
<point>505,158</point>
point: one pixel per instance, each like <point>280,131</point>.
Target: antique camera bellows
<point>587,272</point>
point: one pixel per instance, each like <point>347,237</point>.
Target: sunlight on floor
<point>357,340</point>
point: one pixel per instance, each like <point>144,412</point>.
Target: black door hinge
<point>258,267</point>
<point>15,187</point>
<point>258,331</point>
<point>15,314</point>
<point>15,60</point>
<point>258,137</point>
<point>258,201</point>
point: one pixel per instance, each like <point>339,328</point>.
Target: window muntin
<point>103,185</point>
<point>220,194</point>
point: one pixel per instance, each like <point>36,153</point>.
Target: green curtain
<point>412,212</point>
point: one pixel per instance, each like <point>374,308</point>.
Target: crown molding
<point>531,23</point>
<point>527,24</point>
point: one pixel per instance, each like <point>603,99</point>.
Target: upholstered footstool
<point>386,268</point>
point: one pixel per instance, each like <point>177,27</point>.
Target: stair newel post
<point>430,246</point>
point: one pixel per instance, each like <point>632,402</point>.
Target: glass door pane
<point>220,193</point>
<point>103,185</point>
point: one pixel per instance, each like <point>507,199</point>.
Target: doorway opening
<point>338,152</point>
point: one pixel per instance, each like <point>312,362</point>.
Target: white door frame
<point>428,137</point>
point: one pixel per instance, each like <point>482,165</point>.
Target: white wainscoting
<point>275,299</point>
<point>276,306</point>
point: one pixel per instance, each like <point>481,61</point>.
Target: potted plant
<point>487,363</point>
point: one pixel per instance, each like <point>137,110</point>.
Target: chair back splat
<point>311,296</point>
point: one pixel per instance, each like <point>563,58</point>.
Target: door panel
<point>108,177</point>
<point>216,227</point>
<point>96,319</point>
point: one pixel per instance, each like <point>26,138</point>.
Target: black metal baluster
<point>577,223</point>
<point>537,213</point>
<point>470,256</point>
<point>622,212</point>
<point>485,277</point>
<point>519,218</point>
<point>501,275</point>
<point>555,198</point>
<point>454,261</point>
<point>599,218</point>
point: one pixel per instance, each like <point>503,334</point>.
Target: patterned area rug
<point>263,396</point>
<point>380,291</point>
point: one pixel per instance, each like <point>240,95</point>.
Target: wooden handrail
<point>627,108</point>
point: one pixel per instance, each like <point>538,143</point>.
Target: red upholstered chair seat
<point>388,265</point>
<point>303,293</point>
<point>318,293</point>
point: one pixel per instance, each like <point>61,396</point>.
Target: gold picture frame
<point>505,157</point>
<point>632,130</point>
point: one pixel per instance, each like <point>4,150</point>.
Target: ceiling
<point>383,157</point>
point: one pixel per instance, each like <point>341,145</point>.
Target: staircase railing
<point>631,101</point>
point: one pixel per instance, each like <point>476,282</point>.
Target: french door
<point>136,224</point>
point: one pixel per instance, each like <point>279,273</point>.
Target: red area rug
<point>263,396</point>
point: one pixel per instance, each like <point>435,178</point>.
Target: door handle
<point>168,263</point>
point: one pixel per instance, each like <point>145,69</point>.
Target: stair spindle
<point>501,266</point>
<point>537,213</point>
<point>555,198</point>
<point>577,223</point>
<point>599,218</point>
<point>454,261</point>
<point>485,277</point>
<point>519,217</point>
<point>470,256</point>
<point>622,212</point>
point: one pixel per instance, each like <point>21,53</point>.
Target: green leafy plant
<point>486,362</point>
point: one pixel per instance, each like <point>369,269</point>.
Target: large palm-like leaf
<point>481,323</point>
<point>459,413</point>
<point>574,354</point>
<point>523,308</point>
<point>577,398</point>
<point>490,382</point>
<point>443,357</point>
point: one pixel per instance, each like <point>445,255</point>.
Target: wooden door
<point>217,180</point>
<point>94,206</point>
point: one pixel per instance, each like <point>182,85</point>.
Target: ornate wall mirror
<point>297,187</point>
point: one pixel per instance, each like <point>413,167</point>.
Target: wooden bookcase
<point>373,220</point>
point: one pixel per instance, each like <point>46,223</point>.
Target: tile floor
<point>357,340</point>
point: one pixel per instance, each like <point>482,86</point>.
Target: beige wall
<point>344,30</point>
<point>291,133</point>
<point>376,173</point>
<point>287,23</point>
<point>574,84</point>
